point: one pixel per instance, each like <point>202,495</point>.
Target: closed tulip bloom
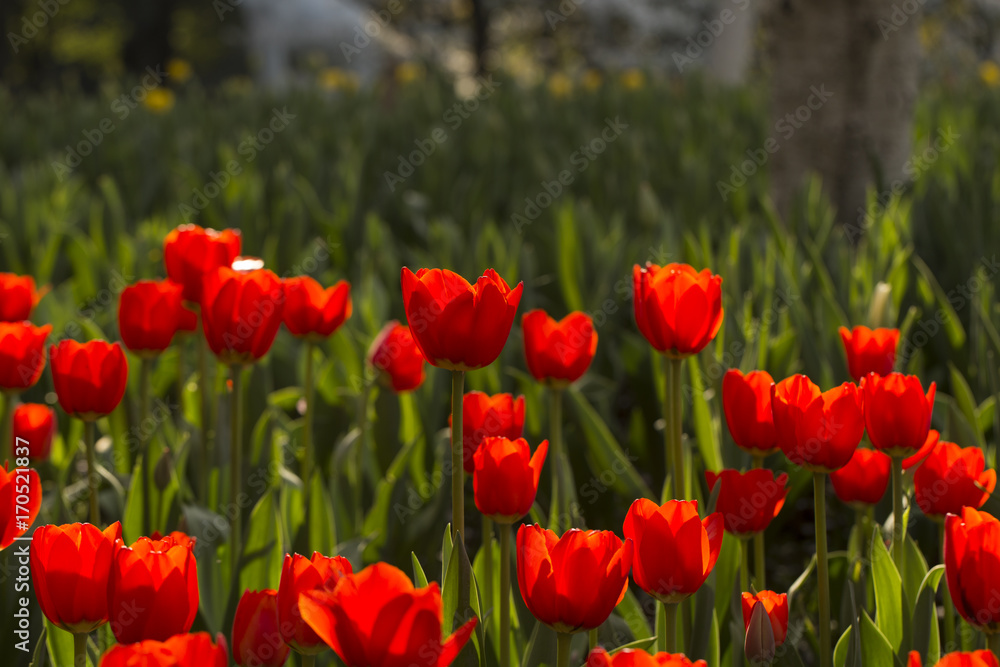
<point>817,430</point>
<point>558,353</point>
<point>376,618</point>
<point>776,606</point>
<point>256,638</point>
<point>89,378</point>
<point>677,309</point>
<point>22,354</point>
<point>748,501</point>
<point>70,571</point>
<point>631,657</point>
<point>312,312</point>
<point>746,400</point>
<point>397,358</point>
<point>506,476</point>
<point>864,479</point>
<point>35,425</point>
<point>951,478</point>
<point>970,565</point>
<point>300,575</point>
<point>869,350</point>
<point>981,658</point>
<point>150,312</point>
<point>154,590</point>
<point>574,582</point>
<point>181,650</point>
<point>456,325</point>
<point>17,297</point>
<point>191,252</point>
<point>241,313</point>
<point>16,486</point>
<point>675,550</point>
<point>897,412</point>
<point>485,416</point>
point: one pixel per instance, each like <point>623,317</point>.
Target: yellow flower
<point>560,85</point>
<point>592,79</point>
<point>334,78</point>
<point>159,100</point>
<point>179,69</point>
<point>989,72</point>
<point>633,79</point>
<point>409,72</point>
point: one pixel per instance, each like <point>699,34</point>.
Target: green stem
<point>88,440</point>
<point>308,456</point>
<point>487,562</point>
<point>898,526</point>
<point>592,637</point>
<point>236,466</point>
<point>556,456</point>
<point>7,428</point>
<point>80,649</point>
<point>504,593</point>
<point>457,469</point>
<point>822,570</point>
<point>204,386</point>
<point>144,440</point>
<point>758,544</point>
<point>308,660</point>
<point>359,460</point>
<point>949,606</point>
<point>993,643</point>
<point>677,405</point>
<point>668,435</point>
<point>744,566</point>
<point>563,640</point>
<point>669,627</point>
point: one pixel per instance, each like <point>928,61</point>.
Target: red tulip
<point>485,416</point>
<point>70,571</point>
<point>456,325</point>
<point>312,312</point>
<point>396,356</point>
<point>776,607</point>
<point>22,354</point>
<point>376,618</point>
<point>150,312</point>
<point>748,501</point>
<point>980,658</point>
<point>35,425</point>
<point>897,413</point>
<point>869,350</point>
<point>256,638</point>
<point>154,589</point>
<point>20,500</point>
<point>558,353</point>
<point>678,309</point>
<point>817,430</point>
<point>952,478</point>
<point>181,650</point>
<point>864,479</point>
<point>573,582</point>
<point>89,378</point>
<point>675,550</point>
<point>17,297</point>
<point>930,442</point>
<point>970,565</point>
<point>191,253</point>
<point>746,400</point>
<point>241,313</point>
<point>506,477</point>
<point>298,576</point>
<point>630,657</point>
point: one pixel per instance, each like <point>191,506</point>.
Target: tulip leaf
<point>59,643</point>
<point>876,651</point>
<point>842,648</point>
<point>382,511</point>
<point>38,656</point>
<point>915,569</point>
<point>951,322</point>
<point>263,552</point>
<point>322,519</point>
<point>966,403</point>
<point>490,601</point>
<point>704,615</point>
<point>636,645</point>
<point>569,259</point>
<point>132,518</point>
<point>926,637</point>
<point>419,578</point>
<point>706,433</point>
<point>634,616</point>
<point>888,595</point>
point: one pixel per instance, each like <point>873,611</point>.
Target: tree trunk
<point>865,55</point>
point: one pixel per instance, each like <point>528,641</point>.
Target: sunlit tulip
<point>313,312</point>
<point>631,657</point>
<point>191,252</point>
<point>89,378</point>
<point>22,354</point>
<point>971,554</point>
<point>817,430</point>
<point>397,358</point>
<point>869,350</point>
<point>485,416</point>
<point>897,412</point>
<point>300,575</point>
<point>506,476</point>
<point>748,501</point>
<point>241,313</point>
<point>150,313</point>
<point>677,309</point>
<point>558,352</point>
<point>746,400</point>
<point>256,638</point>
<point>864,479</point>
<point>35,425</point>
<point>181,650</point>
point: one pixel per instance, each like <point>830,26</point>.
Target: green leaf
<point>888,595</point>
<point>38,657</point>
<point>635,644</point>
<point>926,637</point>
<point>263,552</point>
<point>635,618</point>
<point>59,643</point>
<point>840,651</point>
<point>705,430</point>
<point>966,402</point>
<point>569,258</point>
<point>876,651</point>
<point>419,578</point>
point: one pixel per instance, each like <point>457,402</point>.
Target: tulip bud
<point>759,645</point>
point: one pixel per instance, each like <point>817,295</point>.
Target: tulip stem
<point>487,547</point>
<point>204,387</point>
<point>993,643</point>
<point>307,446</point>
<point>504,595</point>
<point>236,467</point>
<point>555,432</point>
<point>758,544</point>
<point>898,525</point>
<point>88,441</point>
<point>744,565</point>
<point>308,660</point>
<point>457,469</point>
<point>7,428</point>
<point>592,637</point>
<point>144,440</point>
<point>822,570</point>
<point>672,432</point>
<point>949,606</point>
<point>563,641</point>
<point>80,649</point>
<point>359,459</point>
<point>668,627</point>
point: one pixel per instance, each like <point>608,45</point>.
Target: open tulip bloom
<point>631,657</point>
<point>181,650</point>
